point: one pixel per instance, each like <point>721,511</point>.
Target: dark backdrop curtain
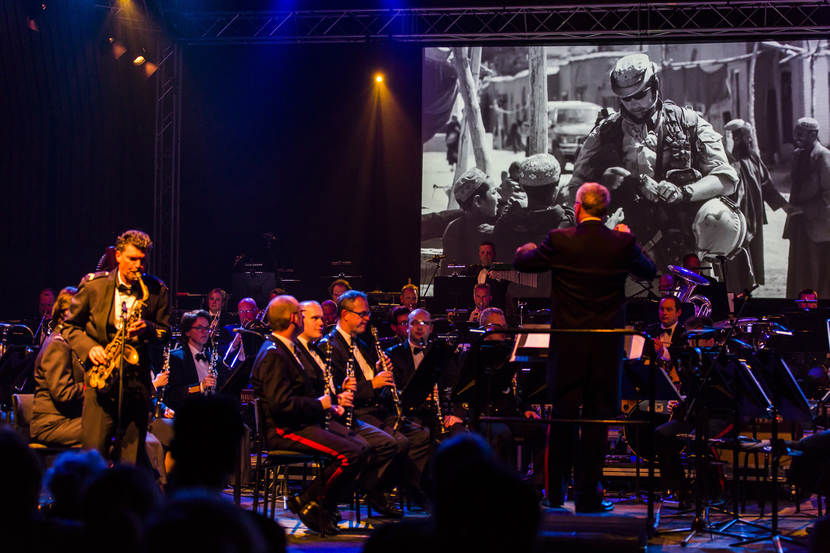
<point>76,148</point>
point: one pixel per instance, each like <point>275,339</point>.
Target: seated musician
<point>508,402</point>
<point>384,448</point>
<point>483,273</point>
<point>407,357</point>
<point>190,364</point>
<point>217,307</point>
<point>59,384</point>
<point>409,296</point>
<point>337,288</point>
<point>482,297</point>
<point>244,345</point>
<point>668,445</point>
<point>398,323</point>
<point>669,332</point>
<point>294,415</point>
<point>372,397</point>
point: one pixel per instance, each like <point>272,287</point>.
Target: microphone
<point>747,293</point>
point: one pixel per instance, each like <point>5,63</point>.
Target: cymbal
<point>341,276</point>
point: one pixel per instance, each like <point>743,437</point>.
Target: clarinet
<point>328,383</point>
<point>350,374</point>
<point>214,362</point>
<point>396,399</point>
<point>165,367</point>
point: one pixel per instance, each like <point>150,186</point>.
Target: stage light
<point>139,60</point>
<point>379,78</point>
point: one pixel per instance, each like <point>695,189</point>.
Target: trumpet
<point>387,366</point>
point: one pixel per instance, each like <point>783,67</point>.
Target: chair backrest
<point>22,405</point>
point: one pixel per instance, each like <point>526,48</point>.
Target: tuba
<point>685,290</point>
<point>100,376</point>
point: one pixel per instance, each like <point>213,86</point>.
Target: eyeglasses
<point>246,311</point>
<point>638,96</point>
<point>200,327</point>
<point>361,314</point>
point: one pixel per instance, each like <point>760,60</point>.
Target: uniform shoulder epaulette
<point>92,276</point>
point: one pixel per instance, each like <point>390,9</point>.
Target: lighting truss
<point>550,24</point>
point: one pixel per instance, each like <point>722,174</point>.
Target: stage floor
<point>563,531</point>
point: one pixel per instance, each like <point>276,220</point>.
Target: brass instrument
<point>165,367</point>
<point>396,399</point>
<point>350,374</point>
<point>100,376</point>
<point>328,383</point>
<point>684,292</point>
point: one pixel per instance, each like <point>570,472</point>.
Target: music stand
<point>423,380</point>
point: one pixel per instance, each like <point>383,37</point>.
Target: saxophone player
<point>95,319</point>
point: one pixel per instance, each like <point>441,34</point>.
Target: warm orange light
<point>379,78</point>
<point>139,60</point>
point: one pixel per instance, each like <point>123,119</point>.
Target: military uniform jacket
<point>91,320</point>
<point>287,395</point>
<point>59,383</point>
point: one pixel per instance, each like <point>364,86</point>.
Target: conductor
<point>589,264</point>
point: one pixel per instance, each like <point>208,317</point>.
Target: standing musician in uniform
<point>95,317</point>
<point>589,264</point>
<point>294,416</point>
<point>371,396</point>
<point>384,448</point>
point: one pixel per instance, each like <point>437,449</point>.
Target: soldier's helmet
<point>631,74</point>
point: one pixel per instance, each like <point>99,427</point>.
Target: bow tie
<point>201,357</point>
<point>416,351</point>
<point>125,290</point>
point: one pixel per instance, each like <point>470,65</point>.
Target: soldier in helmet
<point>660,160</point>
<point>808,224</point>
<point>478,197</point>
<point>538,175</point>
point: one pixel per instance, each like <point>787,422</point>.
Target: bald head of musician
<point>248,310</point>
<point>592,201</point>
<point>312,321</point>
<point>420,327</point>
<point>807,299</point>
<point>493,318</point>
<point>284,317</point>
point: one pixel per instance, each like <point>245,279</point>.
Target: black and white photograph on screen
<point>714,155</point>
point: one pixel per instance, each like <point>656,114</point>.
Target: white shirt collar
<point>288,343</point>
<point>344,334</point>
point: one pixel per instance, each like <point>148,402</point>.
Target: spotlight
<point>379,78</point>
<point>139,60</point>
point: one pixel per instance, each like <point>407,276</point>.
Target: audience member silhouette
<point>475,500</point>
<point>206,447</point>
<point>116,507</point>
<point>67,481</point>
<point>199,521</point>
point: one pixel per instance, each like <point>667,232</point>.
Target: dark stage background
<point>293,140</point>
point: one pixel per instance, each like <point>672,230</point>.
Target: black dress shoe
<point>381,504</point>
<point>308,513</point>
<point>601,506</point>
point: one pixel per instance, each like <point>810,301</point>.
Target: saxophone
<point>101,376</point>
<point>384,363</point>
<point>350,374</point>
<point>328,383</point>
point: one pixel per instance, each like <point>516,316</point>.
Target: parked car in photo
<point>570,121</point>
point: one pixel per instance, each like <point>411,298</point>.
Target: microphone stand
<point>120,409</point>
<point>437,260</point>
